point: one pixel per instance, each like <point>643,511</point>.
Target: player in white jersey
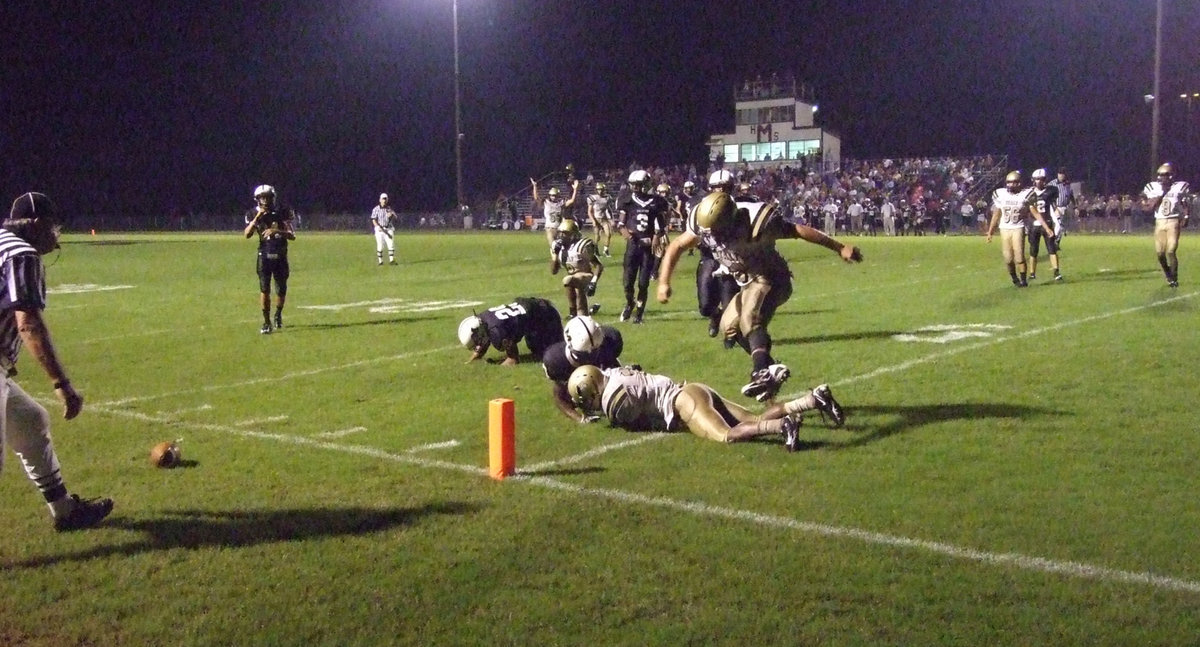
<point>742,238</point>
<point>634,400</point>
<point>600,213</point>
<point>1170,201</point>
<point>579,257</point>
<point>553,210</point>
<point>1010,207</point>
<point>383,220</point>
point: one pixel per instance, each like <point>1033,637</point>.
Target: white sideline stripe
<point>444,445</point>
<point>250,422</point>
<point>603,449</point>
<point>1015,560</point>
<point>339,433</point>
<point>279,378</point>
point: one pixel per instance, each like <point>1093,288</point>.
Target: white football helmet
<point>640,182</point>
<point>583,334</point>
<point>586,386</point>
<point>1039,174</point>
<point>721,179</point>
<point>471,333</point>
<point>264,189</point>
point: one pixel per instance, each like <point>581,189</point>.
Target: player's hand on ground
<point>851,254</point>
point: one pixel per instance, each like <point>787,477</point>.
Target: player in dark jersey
<point>585,342</point>
<point>503,327</point>
<point>715,286</point>
<point>642,221</point>
<point>1044,198</point>
<point>273,224</point>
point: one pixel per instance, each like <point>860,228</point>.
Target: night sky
<point>140,108</point>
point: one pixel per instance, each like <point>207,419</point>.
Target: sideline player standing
<point>1010,203</point>
<point>1169,200</point>
<point>1043,198</point>
<point>742,237</point>
<point>273,224</point>
<point>31,231</point>
<point>600,213</point>
<point>642,221</point>
<point>383,219</point>
<point>554,209</point>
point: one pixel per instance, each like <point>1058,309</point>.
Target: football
<point>166,454</point>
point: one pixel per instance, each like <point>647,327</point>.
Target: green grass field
<point>1018,466</point>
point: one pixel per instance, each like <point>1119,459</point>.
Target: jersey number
<point>507,312</point>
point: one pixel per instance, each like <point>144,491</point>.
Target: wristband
<point>62,384</point>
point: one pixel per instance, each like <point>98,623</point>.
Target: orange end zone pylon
<point>502,451</point>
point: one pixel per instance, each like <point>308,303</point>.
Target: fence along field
<point>1015,468</point>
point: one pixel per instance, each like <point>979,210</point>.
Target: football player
<point>742,238</point>
<point>273,224</point>
<point>600,213</point>
<point>1010,205</point>
<point>553,210</point>
<point>1170,201</point>
<point>581,260</point>
<point>715,286</point>
<point>533,319</point>
<point>642,221</point>
<point>1043,198</point>
<point>638,401</point>
<point>585,342</point>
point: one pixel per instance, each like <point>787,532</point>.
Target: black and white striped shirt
<point>24,288</point>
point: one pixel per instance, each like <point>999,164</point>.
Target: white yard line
<point>424,448</point>
<point>603,449</point>
<point>280,378</point>
<point>339,433</point>
<point>699,509</point>
<point>250,422</point>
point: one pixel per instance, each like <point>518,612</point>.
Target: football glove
<point>556,247</point>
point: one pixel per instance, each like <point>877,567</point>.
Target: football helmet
<point>471,333</point>
<point>716,210</point>
<point>583,334</point>
<point>663,189</point>
<point>1167,169</point>
<point>553,192</point>
<point>601,188</point>
<point>689,187</point>
<point>568,229</point>
<point>586,386</point>
<point>264,189</point>
<point>1039,174</point>
<point>640,182</point>
<point>1013,179</point>
<point>722,180</point>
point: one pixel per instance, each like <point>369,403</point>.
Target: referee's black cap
<point>32,206</point>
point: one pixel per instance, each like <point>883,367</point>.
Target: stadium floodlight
<point>1148,98</point>
<point>458,133</point>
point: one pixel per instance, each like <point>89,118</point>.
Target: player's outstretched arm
<point>684,241</point>
<point>848,253</point>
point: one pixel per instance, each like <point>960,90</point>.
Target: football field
<point>1018,466</point>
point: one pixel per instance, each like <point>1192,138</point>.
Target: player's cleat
<point>392,262</point>
<point>595,307</point>
<point>1058,276</point>
<point>829,406</point>
<point>265,330</point>
<point>278,320</point>
<point>83,514</point>
<point>1023,284</point>
<point>606,252</point>
<point>1172,283</point>
<point>638,312</point>
<point>791,433</point>
<point>1032,277</point>
<point>765,382</point>
<point>626,312</point>
<point>713,329</point>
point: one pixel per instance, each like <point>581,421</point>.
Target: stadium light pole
<point>458,133</point>
<point>1158,21</point>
